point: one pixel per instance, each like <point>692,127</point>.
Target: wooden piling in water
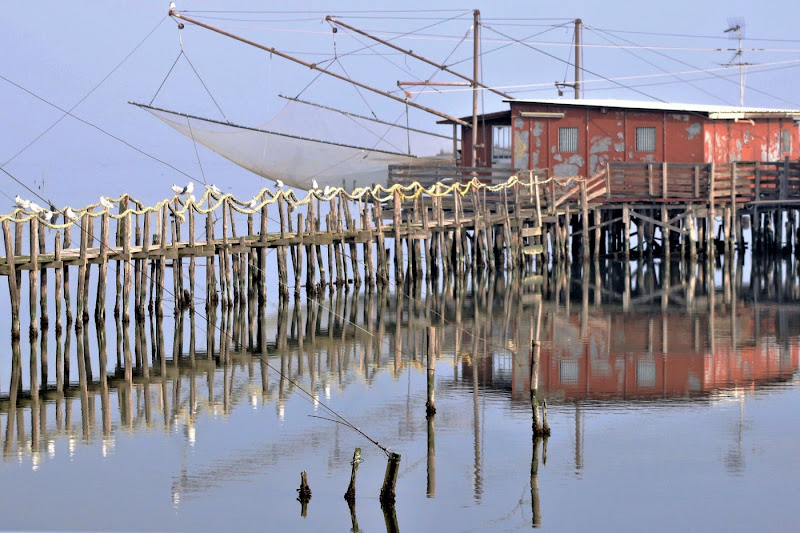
<point>430,404</point>
<point>350,494</point>
<point>387,496</point>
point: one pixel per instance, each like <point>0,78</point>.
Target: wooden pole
<point>100,305</point>
<point>430,405</point>
<point>44,319</point>
<point>387,497</point>
<point>350,495</point>
<point>12,282</point>
<point>398,244</point>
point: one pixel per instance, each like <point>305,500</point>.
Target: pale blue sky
<point>62,50</point>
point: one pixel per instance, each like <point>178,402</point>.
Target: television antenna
<point>735,30</point>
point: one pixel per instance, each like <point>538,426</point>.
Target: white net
<point>305,143</point>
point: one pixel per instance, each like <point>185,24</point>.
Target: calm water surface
<point>672,406</point>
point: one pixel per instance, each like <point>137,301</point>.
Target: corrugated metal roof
<point>713,111</point>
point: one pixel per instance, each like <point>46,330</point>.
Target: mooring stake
<point>350,495</point>
<point>303,494</point>
<point>390,480</point>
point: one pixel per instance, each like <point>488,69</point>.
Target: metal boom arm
<point>175,14</point>
<point>416,56</point>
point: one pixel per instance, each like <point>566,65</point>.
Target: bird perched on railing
<point>279,184</point>
<point>106,202</point>
<point>22,203</point>
<point>212,188</point>
<point>48,216</point>
<point>314,184</point>
<point>177,189</point>
<point>35,208</point>
<point>70,214</point>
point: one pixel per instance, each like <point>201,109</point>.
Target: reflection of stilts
<point>536,514</point>
<point>734,459</point>
<point>578,438</point>
<point>539,426</point>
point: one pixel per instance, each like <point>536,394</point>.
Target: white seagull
<point>177,189</point>
<point>253,203</point>
<point>70,214</point>
<point>21,202</point>
<point>105,202</point>
<point>48,216</point>
<point>213,188</point>
<point>279,184</point>
<point>35,208</point>
<point>314,184</point>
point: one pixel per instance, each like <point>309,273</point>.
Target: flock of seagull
<point>49,214</point>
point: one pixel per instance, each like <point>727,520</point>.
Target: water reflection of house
<point>641,356</point>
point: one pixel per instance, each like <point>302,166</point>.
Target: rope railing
<point>378,193</point>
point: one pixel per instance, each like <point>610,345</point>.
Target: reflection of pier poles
<point>539,426</point>
<point>536,516</point>
<point>476,421</point>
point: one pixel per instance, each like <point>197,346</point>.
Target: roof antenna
<point>736,31</point>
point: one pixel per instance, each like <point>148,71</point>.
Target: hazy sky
<point>60,51</point>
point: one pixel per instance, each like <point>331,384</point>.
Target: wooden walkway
<point>429,224</point>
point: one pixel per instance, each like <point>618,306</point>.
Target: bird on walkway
<point>106,202</point>
<point>213,188</point>
<point>22,203</point>
<point>70,214</point>
<point>279,184</point>
<point>177,189</point>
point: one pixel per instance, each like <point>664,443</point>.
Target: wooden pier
<point>427,225</point>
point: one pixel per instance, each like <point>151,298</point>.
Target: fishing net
<point>303,143</point>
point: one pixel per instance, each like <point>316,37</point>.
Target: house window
<point>501,146</point>
<point>786,141</point>
<point>646,139</point>
<point>567,139</point>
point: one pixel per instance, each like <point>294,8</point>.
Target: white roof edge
<point>714,111</point>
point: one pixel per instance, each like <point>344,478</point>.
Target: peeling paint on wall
<point>563,170</point>
<point>600,144</point>
<point>619,147</point>
<point>521,147</point>
<point>680,118</point>
<point>538,129</point>
<point>694,130</point>
<point>620,135</point>
<point>571,167</point>
<point>557,157</point>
